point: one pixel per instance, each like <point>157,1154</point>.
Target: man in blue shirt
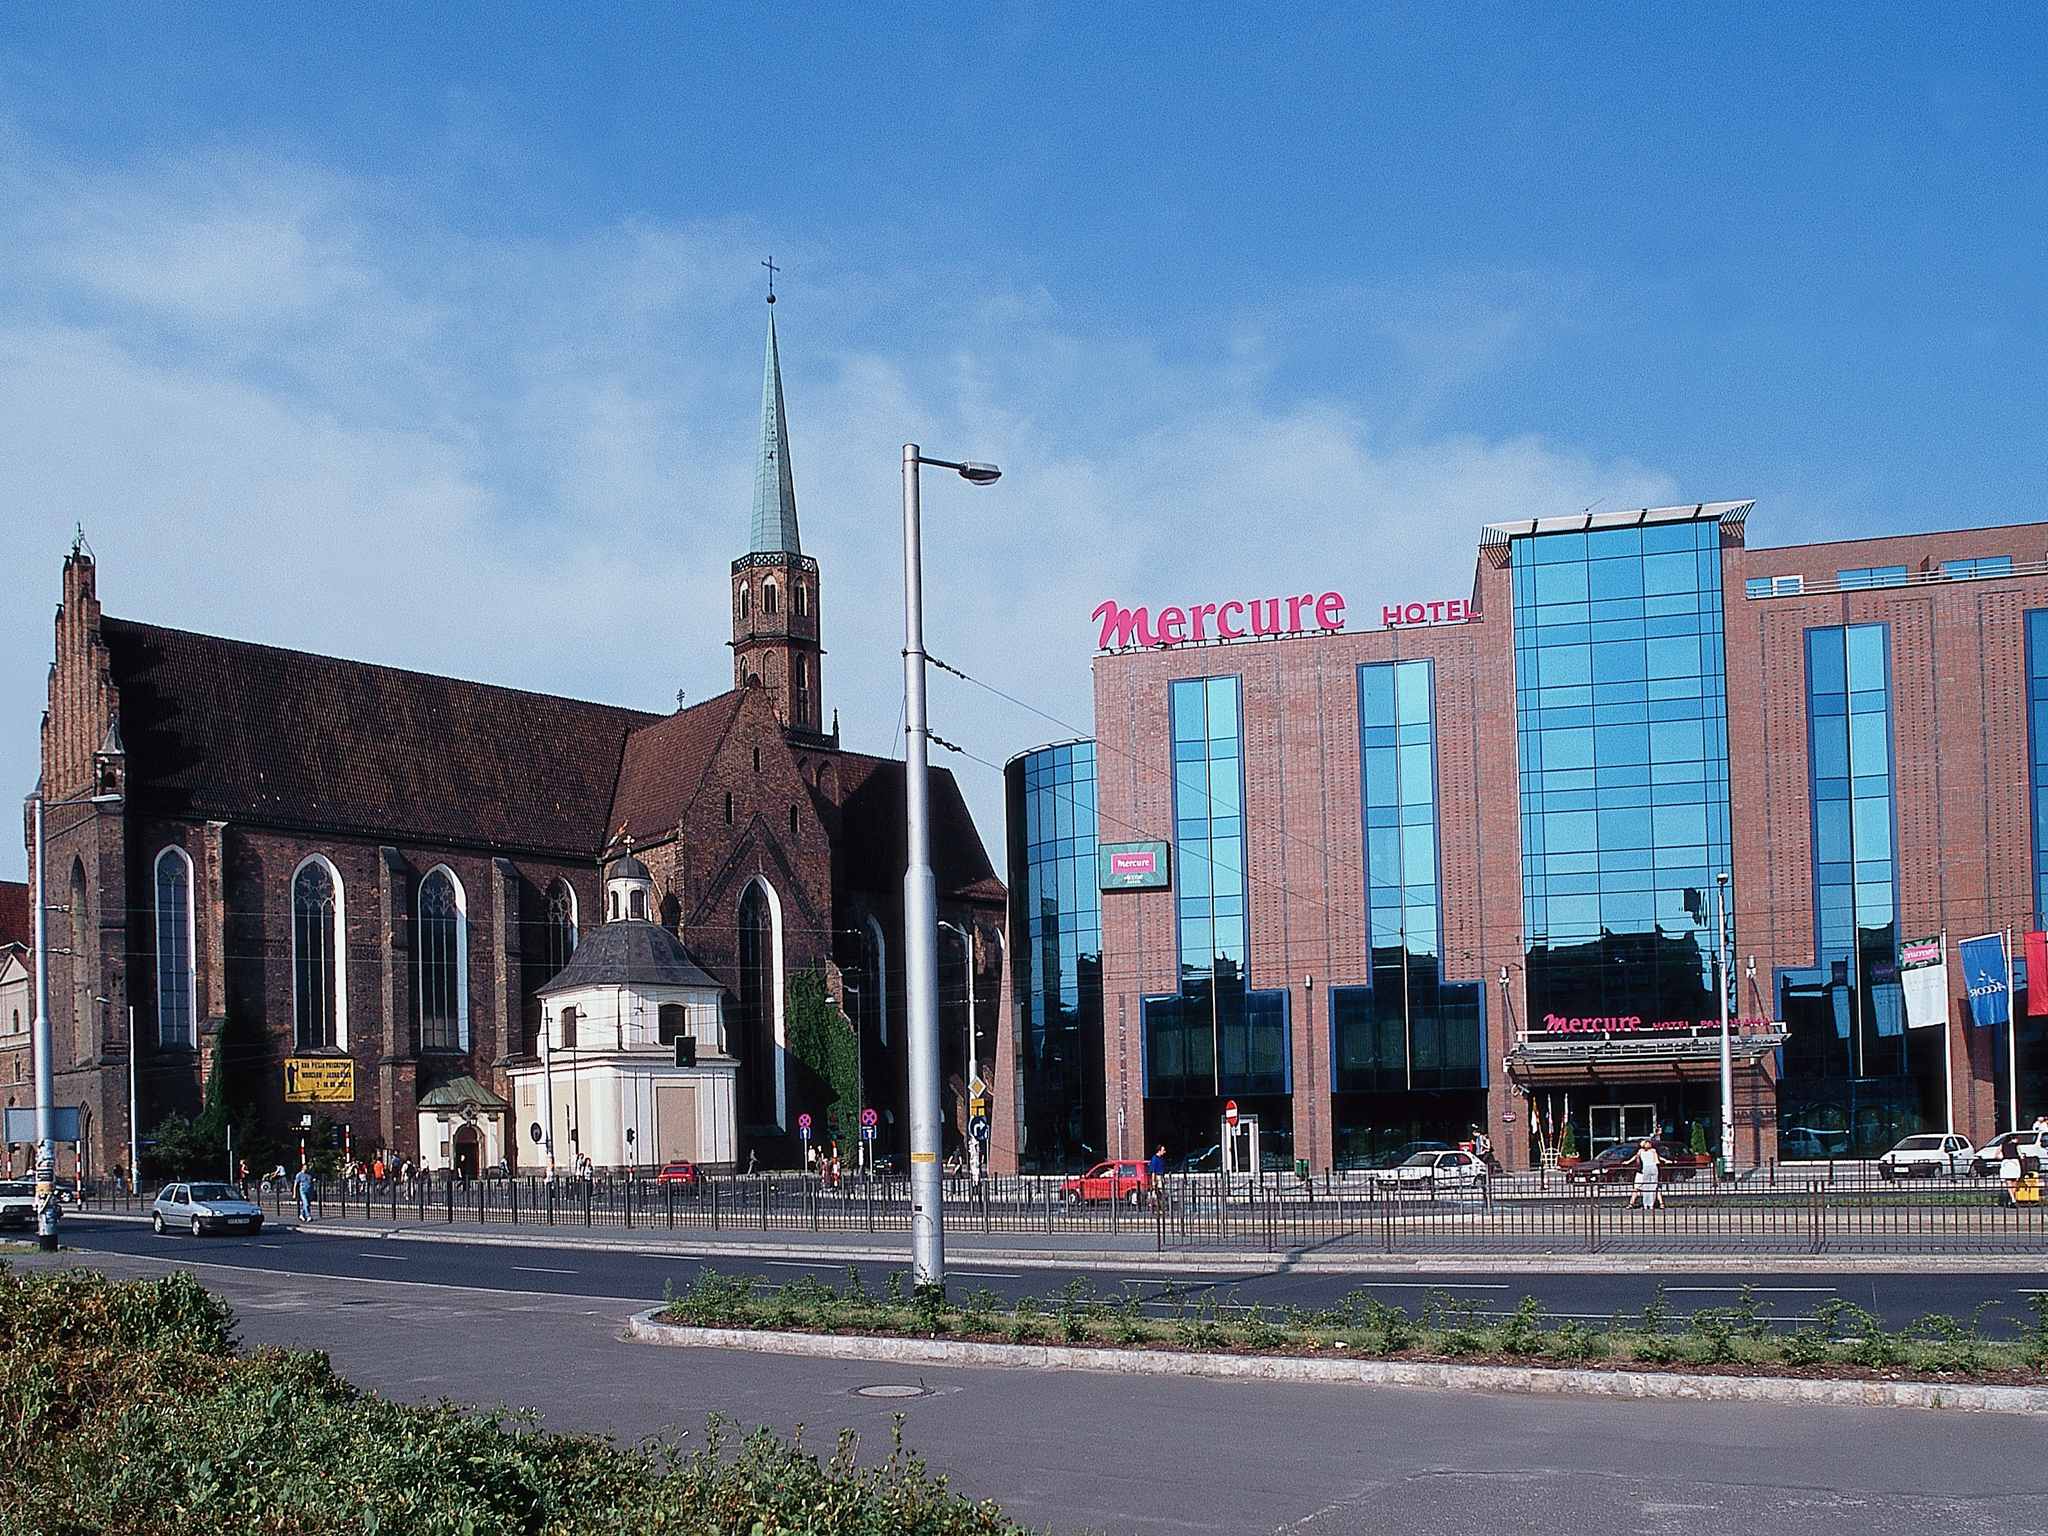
<point>303,1187</point>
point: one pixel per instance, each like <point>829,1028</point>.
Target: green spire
<point>774,485</point>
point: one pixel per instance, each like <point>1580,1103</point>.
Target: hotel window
<point>1216,1035</point>
<point>318,1020</point>
<point>175,1022</point>
<point>1982,565</point>
<point>1871,576</point>
<point>443,951</point>
<point>1409,1028</point>
<point>1621,706</point>
<point>1855,1078</point>
<point>2037,753</point>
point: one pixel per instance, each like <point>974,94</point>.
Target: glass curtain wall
<point>1056,928</point>
<point>1855,1078</point>
<point>2033,1027</point>
<point>1216,1038</point>
<point>1621,698</point>
<point>1401,1041</point>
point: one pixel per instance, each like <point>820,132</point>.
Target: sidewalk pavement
<point>1135,1253</point>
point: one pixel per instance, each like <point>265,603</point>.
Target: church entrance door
<point>467,1152</point>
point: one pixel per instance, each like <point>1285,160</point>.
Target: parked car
<point>1926,1157</point>
<point>18,1203</point>
<point>201,1208</point>
<point>1810,1144</point>
<point>680,1171</point>
<point>1408,1149</point>
<point>2033,1150</point>
<point>1617,1165</point>
<point>1118,1179</point>
<point>1450,1169</point>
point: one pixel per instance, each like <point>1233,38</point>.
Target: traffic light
<point>686,1050</point>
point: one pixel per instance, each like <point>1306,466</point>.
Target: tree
<point>827,1056</point>
<point>1699,1138</point>
<point>1568,1144</point>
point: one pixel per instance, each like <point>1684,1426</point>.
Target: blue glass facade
<point>1621,704</point>
<point>1399,1042</point>
<point>1056,969</point>
<point>1855,1078</point>
<point>1218,1037</point>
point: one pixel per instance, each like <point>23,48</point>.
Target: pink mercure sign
<point>1234,620</point>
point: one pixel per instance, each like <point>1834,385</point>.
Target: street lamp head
<point>980,474</point>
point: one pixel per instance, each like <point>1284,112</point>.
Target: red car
<point>1617,1165</point>
<point>1129,1179</point>
<point>681,1171</point>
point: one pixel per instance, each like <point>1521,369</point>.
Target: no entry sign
<point>1230,1114</point>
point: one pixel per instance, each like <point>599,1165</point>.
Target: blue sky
<point>340,329</point>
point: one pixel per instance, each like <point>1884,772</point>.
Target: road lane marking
<point>541,1269</point>
<point>985,1274</point>
<point>1796,1290</point>
<point>395,1258</point>
<point>800,1264</point>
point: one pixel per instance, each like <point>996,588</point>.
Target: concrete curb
<point>1181,1262</point>
<point>1367,1373</point>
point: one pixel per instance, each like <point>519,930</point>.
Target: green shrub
<point>128,1413</point>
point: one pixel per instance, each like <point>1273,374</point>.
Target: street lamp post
<point>1721,987</point>
<point>920,894</point>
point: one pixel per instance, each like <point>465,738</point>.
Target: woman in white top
<point>1646,1175</point>
<point>2009,1170</point>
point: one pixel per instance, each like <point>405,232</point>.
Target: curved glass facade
<point>1056,958</point>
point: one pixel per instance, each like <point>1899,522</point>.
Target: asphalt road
<point>1957,1289</point>
<point>1089,1451</point>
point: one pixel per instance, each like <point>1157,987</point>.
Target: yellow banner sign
<point>319,1080</point>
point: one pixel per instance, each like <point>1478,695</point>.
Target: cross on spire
<point>772,270</point>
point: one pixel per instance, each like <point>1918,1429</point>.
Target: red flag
<point>2037,973</point>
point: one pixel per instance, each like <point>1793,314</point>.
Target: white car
<point>1424,1171</point>
<point>201,1208</point>
<point>1927,1157</point>
<point>18,1203</point>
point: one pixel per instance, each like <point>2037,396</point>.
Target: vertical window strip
<point>174,1021</point>
<point>314,943</point>
<point>2037,754</point>
<point>440,919</point>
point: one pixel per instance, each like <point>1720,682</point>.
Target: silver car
<point>202,1208</point>
<point>18,1203</point>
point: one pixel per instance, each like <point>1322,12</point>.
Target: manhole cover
<point>890,1389</point>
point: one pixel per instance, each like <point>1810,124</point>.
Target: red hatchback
<point>1129,1179</point>
<point>681,1171</point>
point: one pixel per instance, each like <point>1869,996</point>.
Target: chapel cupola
<point>775,585</point>
<point>628,890</point>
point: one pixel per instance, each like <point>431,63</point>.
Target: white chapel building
<point>607,1083</point>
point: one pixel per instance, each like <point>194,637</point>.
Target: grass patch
<point>126,1409</point>
<point>1844,1341</point>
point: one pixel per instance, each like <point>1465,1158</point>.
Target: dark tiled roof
<point>14,924</point>
<point>630,954</point>
<point>872,842</point>
<point>230,730</point>
<point>664,765</point>
<point>458,1091</point>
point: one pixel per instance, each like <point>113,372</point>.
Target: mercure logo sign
<point>1237,619</point>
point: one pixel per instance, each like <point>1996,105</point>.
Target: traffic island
<point>1845,1357</point>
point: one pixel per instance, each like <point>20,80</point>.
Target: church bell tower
<point>775,585</point>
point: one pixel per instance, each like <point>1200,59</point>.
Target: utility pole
<point>46,1089</point>
<point>1721,989</point>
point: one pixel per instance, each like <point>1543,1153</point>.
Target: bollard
<point>764,1205</point>
<point>451,1197</point>
<point>512,1194</point>
<point>586,1201</point>
<point>714,1205</point>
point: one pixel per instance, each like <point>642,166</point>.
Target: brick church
<point>359,879</point>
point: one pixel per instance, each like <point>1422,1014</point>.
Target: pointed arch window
<point>176,1023</point>
<point>83,992</point>
<point>770,604</point>
<point>803,599</point>
<point>746,601</point>
<point>558,943</point>
<point>319,981</point>
<point>444,963</point>
<point>760,1006</point>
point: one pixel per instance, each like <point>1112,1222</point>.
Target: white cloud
<point>287,408</point>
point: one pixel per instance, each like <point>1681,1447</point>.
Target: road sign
<point>533,1130</point>
<point>978,1088</point>
<point>803,1126</point>
<point>1230,1114</point>
<point>978,1128</point>
<point>870,1119</point>
<point>868,1131</point>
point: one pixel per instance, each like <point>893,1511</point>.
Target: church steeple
<point>774,483</point>
<point>775,585</point>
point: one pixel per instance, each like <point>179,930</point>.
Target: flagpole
<point>2012,1038</point>
<point>1948,1042</point>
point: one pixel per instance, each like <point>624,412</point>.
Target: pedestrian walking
<point>242,1177</point>
<point>303,1187</point>
<point>2010,1171</point>
<point>1646,1175</point>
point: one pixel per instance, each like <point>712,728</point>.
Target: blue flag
<point>1984,978</point>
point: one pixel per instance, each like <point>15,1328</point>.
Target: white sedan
<point>198,1208</point>
<point>1927,1157</point>
<point>1425,1171</point>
